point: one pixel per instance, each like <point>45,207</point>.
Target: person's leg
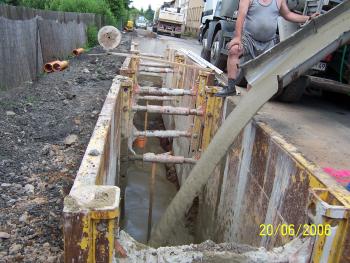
<point>232,62</point>
<point>232,69</point>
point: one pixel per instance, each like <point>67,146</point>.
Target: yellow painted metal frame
<point>198,123</point>
<point>324,192</point>
<point>212,115</point>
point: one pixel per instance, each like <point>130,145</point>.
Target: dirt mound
<point>44,129</point>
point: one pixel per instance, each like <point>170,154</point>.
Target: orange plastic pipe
<point>140,142</point>
<point>60,65</point>
<point>48,67</point>
<point>78,51</point>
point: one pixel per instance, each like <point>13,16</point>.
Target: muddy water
<point>137,194</point>
<point>138,175</point>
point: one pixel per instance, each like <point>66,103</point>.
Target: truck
<point>168,20</point>
<point>141,22</point>
<point>217,29</point>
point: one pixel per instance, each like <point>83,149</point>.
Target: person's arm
<point>242,12</point>
<point>291,16</point>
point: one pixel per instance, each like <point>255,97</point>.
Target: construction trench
<point>237,176</point>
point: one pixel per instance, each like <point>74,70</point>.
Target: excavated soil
<point>44,129</point>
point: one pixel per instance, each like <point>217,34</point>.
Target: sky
<point>145,3</point>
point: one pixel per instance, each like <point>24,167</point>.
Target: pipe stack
<point>56,65</point>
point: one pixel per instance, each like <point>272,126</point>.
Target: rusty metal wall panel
<point>267,186</point>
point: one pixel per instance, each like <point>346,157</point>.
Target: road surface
<point>318,126</point>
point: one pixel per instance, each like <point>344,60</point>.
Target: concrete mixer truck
<point>217,29</point>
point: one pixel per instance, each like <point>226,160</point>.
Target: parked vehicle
<point>217,29</point>
<point>141,22</point>
<point>168,20</point>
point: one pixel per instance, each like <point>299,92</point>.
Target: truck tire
<point>294,91</point>
<point>216,58</point>
<point>205,53</point>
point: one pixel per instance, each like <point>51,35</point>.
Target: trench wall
<point>261,180</point>
<point>102,166</point>
<point>91,210</point>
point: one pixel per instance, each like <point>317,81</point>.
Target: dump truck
<point>217,28</point>
<point>169,20</point>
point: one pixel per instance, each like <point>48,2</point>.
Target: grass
<point>92,32</point>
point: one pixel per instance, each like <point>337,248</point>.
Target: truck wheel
<point>294,91</point>
<point>217,59</point>
<point>205,53</point>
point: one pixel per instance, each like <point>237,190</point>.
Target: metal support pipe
<point>165,91</point>
<point>152,182</point>
<point>156,70</point>
<point>155,65</point>
<point>156,98</point>
<point>167,110</point>
<point>162,158</point>
<point>163,134</point>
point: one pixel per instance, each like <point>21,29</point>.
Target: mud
<point>37,167</point>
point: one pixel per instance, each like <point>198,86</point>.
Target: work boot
<point>227,91</point>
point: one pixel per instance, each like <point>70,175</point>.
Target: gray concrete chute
<point>287,60</point>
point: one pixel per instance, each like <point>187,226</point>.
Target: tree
<point>133,13</point>
<point>149,13</point>
<point>10,2</point>
<point>39,4</point>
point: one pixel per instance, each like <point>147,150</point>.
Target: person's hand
<point>236,41</point>
<point>314,15</point>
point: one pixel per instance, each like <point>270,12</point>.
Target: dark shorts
<point>253,48</point>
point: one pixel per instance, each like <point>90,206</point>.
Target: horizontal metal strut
<point>163,134</point>
<point>167,110</point>
<point>162,158</point>
<point>156,98</point>
<point>165,91</point>
<point>156,70</point>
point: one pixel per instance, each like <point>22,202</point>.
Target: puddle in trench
<point>137,194</point>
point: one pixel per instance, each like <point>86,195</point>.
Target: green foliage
<point>92,36</point>
<point>10,2</point>
<point>118,8</point>
<point>84,6</point>
<point>149,13</point>
<point>39,4</point>
<point>133,13</point>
